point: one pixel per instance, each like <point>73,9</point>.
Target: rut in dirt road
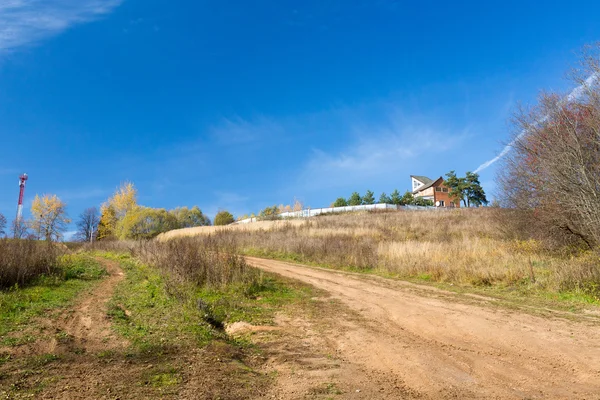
<point>87,323</point>
<point>438,346</point>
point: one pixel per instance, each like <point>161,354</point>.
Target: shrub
<point>21,261</point>
<point>203,261</point>
<point>269,214</point>
<point>146,223</point>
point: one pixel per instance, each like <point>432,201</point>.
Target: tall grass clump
<point>203,262</point>
<point>21,261</point>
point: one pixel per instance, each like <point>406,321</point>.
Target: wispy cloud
<point>24,22</point>
<point>380,153</point>
<point>238,131</point>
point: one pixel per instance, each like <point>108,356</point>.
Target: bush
<point>146,223</point>
<point>21,261</point>
<point>224,218</point>
<point>203,261</point>
<point>269,214</point>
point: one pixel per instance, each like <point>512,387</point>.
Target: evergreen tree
<point>369,198</point>
<point>384,199</point>
<point>395,198</point>
<point>355,199</point>
<point>474,192</point>
<point>466,189</point>
<point>407,199</point>
<point>340,202</point>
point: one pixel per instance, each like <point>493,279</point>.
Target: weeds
<point>203,262</point>
<point>21,261</point>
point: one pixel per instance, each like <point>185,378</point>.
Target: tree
<point>224,217</point>
<point>369,198</point>
<point>355,199</point>
<point>473,191</point>
<point>107,227</point>
<point>466,189</point>
<point>340,202</point>
<point>2,225</point>
<point>298,205</point>
<point>123,200</point>
<point>19,228</point>
<point>146,223</point>
<point>115,208</point>
<point>407,199</point>
<point>87,225</point>
<point>550,180</point>
<point>456,187</point>
<point>187,218</point>
<point>384,199</point>
<point>269,214</point>
<point>49,217</point>
<point>395,197</point>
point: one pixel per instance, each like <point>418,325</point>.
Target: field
<point>459,247</point>
<point>388,305</point>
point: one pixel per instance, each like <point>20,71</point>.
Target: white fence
<point>312,212</point>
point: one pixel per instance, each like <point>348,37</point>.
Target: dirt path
<point>388,339</point>
<point>87,322</point>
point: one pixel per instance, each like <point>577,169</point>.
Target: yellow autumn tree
<point>124,199</point>
<point>108,223</point>
<point>114,210</point>
<point>49,217</point>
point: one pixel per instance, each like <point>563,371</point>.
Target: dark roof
<point>423,179</point>
<point>427,186</point>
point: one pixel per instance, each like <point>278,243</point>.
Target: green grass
<point>156,314</point>
<point>20,306</point>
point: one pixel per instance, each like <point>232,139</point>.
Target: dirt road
<point>398,340</point>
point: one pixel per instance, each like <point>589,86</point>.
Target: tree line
<point>356,199</point>
<point>120,217</point>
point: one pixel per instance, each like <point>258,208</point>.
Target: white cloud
<point>380,154</point>
<point>238,131</point>
<point>24,22</point>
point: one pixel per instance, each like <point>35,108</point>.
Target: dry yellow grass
<point>207,230</point>
<point>459,246</point>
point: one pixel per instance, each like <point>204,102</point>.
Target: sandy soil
<point>384,339</point>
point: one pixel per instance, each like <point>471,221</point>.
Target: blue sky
<point>240,105</point>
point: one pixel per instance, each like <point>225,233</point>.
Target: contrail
<point>574,95</point>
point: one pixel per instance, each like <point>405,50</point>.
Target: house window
<point>438,189</point>
<point>451,204</point>
<point>445,190</point>
<point>442,203</point>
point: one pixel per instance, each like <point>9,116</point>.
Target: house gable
<point>418,181</point>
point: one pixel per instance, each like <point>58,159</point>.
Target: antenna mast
<point>22,179</point>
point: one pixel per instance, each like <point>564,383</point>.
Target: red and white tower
<point>22,179</point>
